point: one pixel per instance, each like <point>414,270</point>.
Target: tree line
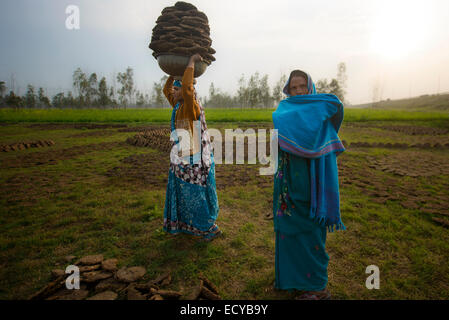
<point>255,92</point>
<point>89,92</point>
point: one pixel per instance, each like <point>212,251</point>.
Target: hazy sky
<point>399,46</point>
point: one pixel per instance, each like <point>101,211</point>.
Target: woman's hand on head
<point>195,58</point>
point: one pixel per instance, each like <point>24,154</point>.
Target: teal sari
<point>306,202</point>
<point>301,259</point>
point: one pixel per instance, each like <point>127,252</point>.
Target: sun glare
<point>400,28</point>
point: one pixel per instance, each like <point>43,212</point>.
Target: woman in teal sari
<point>191,203</point>
<point>306,195</point>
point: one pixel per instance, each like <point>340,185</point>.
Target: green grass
<point>81,211</point>
<point>212,115</point>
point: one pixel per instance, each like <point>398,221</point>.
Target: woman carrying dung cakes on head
<point>306,200</point>
<point>191,203</point>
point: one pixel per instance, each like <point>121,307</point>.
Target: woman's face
<point>177,94</point>
<point>298,86</point>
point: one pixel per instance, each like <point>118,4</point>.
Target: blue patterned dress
<point>191,203</point>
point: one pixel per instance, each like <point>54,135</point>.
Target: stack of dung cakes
<point>184,31</point>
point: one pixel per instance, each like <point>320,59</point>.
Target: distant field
<point>436,102</point>
<point>212,115</point>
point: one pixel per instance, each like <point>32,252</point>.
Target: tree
<point>77,80</point>
<point>254,93</point>
<point>30,97</point>
<point>2,88</point>
<point>157,95</point>
<point>103,96</point>
<point>332,87</point>
<point>127,89</point>
<point>218,98</point>
<point>253,90</point>
<point>43,99</point>
<point>13,101</point>
<point>243,92</point>
<point>336,85</point>
<point>81,86</point>
<point>211,90</point>
<point>140,99</point>
<point>342,78</point>
<point>92,89</point>
<point>58,100</point>
<point>69,101</point>
<point>265,95</point>
<point>147,99</point>
<point>341,74</point>
<point>278,94</point>
<point>112,96</point>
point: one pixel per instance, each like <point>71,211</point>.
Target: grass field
<point>212,115</point>
<point>91,192</point>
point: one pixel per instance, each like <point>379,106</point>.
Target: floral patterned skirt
<point>191,208</point>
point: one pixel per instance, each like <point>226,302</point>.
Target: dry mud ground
<point>100,188</point>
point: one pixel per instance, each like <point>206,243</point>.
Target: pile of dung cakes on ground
<point>26,145</point>
<point>101,279</point>
<point>158,139</point>
<point>182,30</point>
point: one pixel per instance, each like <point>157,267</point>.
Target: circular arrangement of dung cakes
<point>182,30</point>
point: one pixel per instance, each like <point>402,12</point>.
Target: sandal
<point>210,238</point>
<point>315,295</point>
<point>269,216</point>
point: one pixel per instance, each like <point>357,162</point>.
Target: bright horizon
<point>398,48</point>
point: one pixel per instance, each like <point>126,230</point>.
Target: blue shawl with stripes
<point>308,127</point>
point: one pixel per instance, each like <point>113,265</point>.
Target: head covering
<point>310,84</point>
<point>308,127</point>
<point>177,83</point>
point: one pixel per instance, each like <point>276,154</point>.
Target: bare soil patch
<point>53,156</point>
<point>143,128</point>
<point>99,133</point>
<point>404,129</point>
<point>159,139</point>
<point>396,145</point>
<point>412,163</point>
<point>150,169</point>
<point>28,189</point>
<point>61,126</point>
<point>416,130</point>
<point>407,193</point>
<point>228,175</point>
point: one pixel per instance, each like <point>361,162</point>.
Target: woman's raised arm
<point>168,91</point>
<point>188,93</point>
